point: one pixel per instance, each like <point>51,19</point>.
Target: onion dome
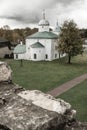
<point>44,22</point>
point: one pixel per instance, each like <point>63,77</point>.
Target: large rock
<point>5,72</point>
<point>45,101</point>
<point>31,112</point>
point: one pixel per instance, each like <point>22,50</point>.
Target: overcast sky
<point>27,13</point>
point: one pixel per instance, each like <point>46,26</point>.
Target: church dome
<point>57,28</point>
<point>44,22</point>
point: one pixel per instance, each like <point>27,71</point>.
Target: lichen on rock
<point>5,72</point>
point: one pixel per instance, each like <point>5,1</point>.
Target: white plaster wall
<point>15,56</point>
<point>39,52</point>
<point>20,56</point>
<point>29,42</point>
<point>47,44</point>
<point>54,50</point>
<point>50,49</point>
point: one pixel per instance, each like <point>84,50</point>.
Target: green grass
<point>45,76</point>
<point>77,97</point>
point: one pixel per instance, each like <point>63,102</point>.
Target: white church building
<point>42,45</point>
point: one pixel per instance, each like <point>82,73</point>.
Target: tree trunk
<point>21,63</point>
<point>69,59</point>
<point>59,55</point>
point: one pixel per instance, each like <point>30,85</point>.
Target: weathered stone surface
<point>17,113</point>
<point>5,72</point>
<point>45,101</point>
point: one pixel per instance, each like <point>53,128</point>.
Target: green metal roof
<point>43,35</point>
<point>19,49</point>
<point>37,45</point>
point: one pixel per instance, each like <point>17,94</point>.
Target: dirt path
<point>68,85</point>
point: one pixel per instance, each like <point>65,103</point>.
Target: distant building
<point>85,45</point>
<point>43,45</point>
<point>5,48</point>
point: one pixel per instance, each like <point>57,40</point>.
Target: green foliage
<point>70,41</point>
<point>77,97</point>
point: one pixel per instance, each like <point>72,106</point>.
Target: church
<point>42,45</point>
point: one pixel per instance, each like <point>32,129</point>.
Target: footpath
<point>66,86</point>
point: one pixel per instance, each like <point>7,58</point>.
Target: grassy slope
<point>47,75</point>
<point>77,97</point>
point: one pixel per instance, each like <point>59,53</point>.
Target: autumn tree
<point>16,35</point>
<point>6,32</point>
<point>70,41</point>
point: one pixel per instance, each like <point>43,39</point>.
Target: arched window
<point>35,56</point>
<point>55,55</point>
<point>16,56</point>
<point>46,56</point>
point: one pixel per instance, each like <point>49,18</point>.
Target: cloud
<point>27,12</point>
<point>23,19</point>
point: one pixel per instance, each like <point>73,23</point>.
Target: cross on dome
<point>43,13</point>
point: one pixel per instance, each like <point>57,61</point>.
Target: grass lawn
<point>47,75</point>
<point>77,97</point>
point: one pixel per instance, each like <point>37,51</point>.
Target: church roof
<point>19,49</point>
<point>37,45</point>
<point>43,35</point>
<point>57,28</point>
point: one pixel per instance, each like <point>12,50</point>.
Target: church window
<point>55,55</point>
<point>46,56</point>
<point>16,56</point>
<point>56,47</point>
<point>35,56</point>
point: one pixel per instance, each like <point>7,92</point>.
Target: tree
<point>6,27</point>
<point>70,41</point>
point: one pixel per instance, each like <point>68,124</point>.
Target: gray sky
<point>26,13</point>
